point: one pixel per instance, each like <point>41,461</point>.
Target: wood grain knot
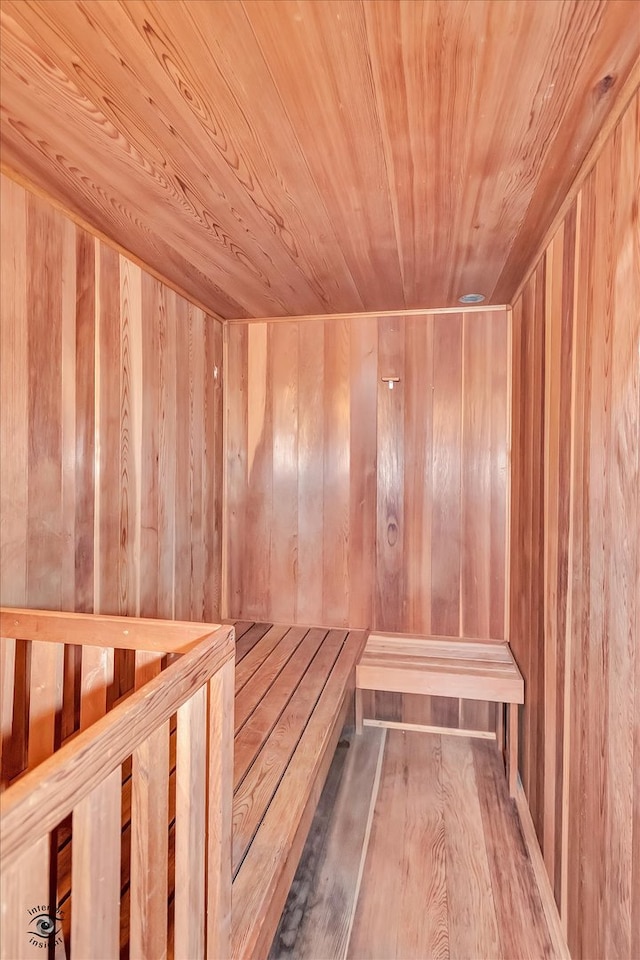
<point>392,534</point>
<point>603,86</point>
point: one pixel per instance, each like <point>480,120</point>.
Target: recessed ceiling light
<point>471,298</point>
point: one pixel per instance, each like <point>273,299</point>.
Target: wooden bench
<point>445,667</point>
<point>294,686</point>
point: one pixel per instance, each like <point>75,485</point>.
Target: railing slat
<point>45,699</point>
<point>24,886</point>
<point>149,832</point>
<point>96,675</point>
<point>7,687</point>
<point>191,786</point>
<point>95,873</point>
<point>219,815</point>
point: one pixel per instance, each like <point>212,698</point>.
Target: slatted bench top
<point>293,688</point>
<point>440,666</point>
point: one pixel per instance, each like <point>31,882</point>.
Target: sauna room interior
<point>319,475</point>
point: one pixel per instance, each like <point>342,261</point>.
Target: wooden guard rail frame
<point>143,851</point>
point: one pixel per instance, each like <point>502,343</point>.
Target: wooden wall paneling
<point>44,313</point>
<point>182,554</point>
<point>498,370</point>
<point>446,476</point>
<point>596,422</point>
<point>390,596</point>
<point>390,610</point>
<point>536,585</point>
<point>87,251</point>
<point>236,385</point>
<point>363,374</point>
<point>337,467</point>
<point>576,373</point>
<point>310,492</point>
<point>560,312</point>
<point>260,505</point>
<point>213,464</point>
<point>624,826</point>
<point>417,377</point>
<point>14,395</point>
<point>168,430</point>
<point>618,169</point>
<point>371,448</point>
<point>196,448</point>
<point>527,409</point>
<point>580,614</point>
<point>552,360</point>
<point>131,382</point>
<point>106,562</point>
<point>283,557</point>
<point>151,331</point>
<point>476,479</point>
<point>93,390</point>
<point>68,351</point>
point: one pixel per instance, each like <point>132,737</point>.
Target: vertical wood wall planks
<point>362,468</point>
<point>310,471</point>
<point>14,394</point>
<point>389,611</point>
<point>574,617</point>
<point>110,440</point>
<point>85,423</point>
<point>365,452</point>
<point>337,473</point>
<point>283,557</point>
<point>44,333</point>
<point>152,332</point>
<point>107,551</point>
<point>446,475</point>
<point>418,479</point>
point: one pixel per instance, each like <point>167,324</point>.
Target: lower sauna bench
<point>294,686</point>
<point>463,668</point>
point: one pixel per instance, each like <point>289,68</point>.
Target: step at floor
<point>416,851</point>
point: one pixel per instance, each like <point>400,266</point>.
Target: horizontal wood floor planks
<point>446,870</point>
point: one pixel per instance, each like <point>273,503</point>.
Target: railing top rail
<point>37,802</point>
<point>122,633</point>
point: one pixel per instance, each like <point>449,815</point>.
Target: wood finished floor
<point>416,851</point>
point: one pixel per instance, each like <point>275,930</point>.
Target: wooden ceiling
<point>288,157</point>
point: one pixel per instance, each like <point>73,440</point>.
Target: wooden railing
<point>120,838</point>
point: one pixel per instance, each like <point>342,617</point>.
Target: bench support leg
<point>500,728</point>
<point>513,748</point>
<point>358,699</point>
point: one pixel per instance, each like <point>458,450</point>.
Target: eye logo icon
<point>45,925</point>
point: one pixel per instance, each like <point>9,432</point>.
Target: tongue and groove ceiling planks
<point>291,158</point>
